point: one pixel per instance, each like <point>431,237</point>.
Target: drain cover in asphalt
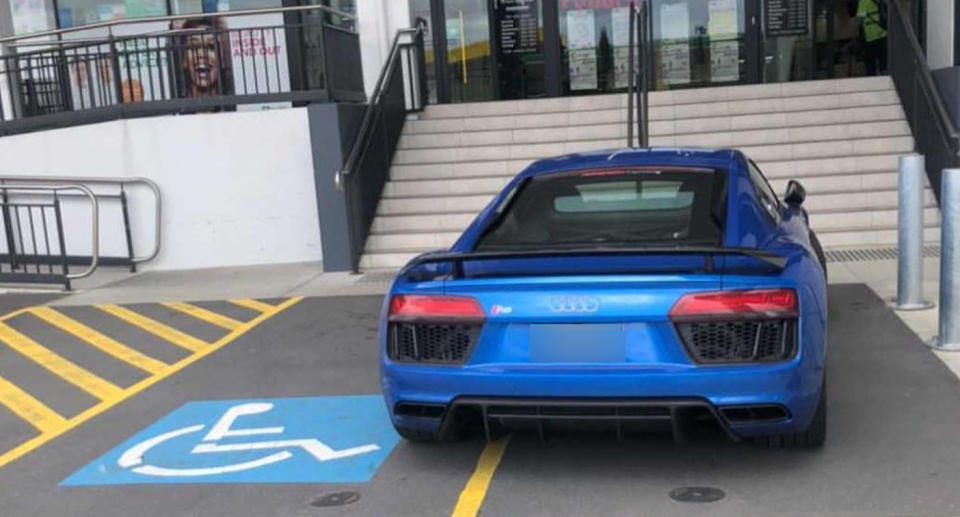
<point>696,494</point>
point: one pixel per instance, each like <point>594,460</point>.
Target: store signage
<point>519,26</point>
<point>786,18</point>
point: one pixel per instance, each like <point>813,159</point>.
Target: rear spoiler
<point>458,258</point>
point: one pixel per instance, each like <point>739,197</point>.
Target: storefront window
<point>698,43</point>
<point>75,13</point>
<point>594,37</point>
<point>31,16</point>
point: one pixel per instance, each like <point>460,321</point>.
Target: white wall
<point>238,187</point>
<point>940,33</point>
<point>378,23</point>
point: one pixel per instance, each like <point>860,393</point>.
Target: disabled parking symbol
<point>312,439</point>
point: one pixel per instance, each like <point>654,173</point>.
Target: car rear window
<point>611,208</point>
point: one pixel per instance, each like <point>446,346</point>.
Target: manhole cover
<point>696,494</point>
<point>336,499</point>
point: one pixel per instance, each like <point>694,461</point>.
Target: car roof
<point>628,156</point>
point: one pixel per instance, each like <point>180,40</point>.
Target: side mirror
<point>795,194</point>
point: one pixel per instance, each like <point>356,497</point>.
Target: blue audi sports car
<point>626,288</point>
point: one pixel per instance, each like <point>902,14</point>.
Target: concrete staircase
<point>840,138</point>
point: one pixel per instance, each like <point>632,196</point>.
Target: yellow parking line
<point>253,304</point>
<point>473,494</point>
<point>61,367</point>
<point>30,409</point>
<point>156,328</point>
<point>72,423</point>
<point>205,315</point>
<point>98,340</point>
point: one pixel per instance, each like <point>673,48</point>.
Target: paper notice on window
<point>675,63</point>
<point>582,44</point>
<point>621,46</point>
<point>674,21</point>
<point>724,61</point>
<point>723,19</point>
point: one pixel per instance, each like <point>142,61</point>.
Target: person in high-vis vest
<point>874,31</point>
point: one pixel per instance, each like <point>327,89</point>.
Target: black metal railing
<point>935,135</point>
<point>197,65</point>
<point>400,90</point>
<point>638,70</point>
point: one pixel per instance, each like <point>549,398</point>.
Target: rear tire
<point>821,256</point>
<point>813,437</point>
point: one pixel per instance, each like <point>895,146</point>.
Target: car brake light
<point>761,303</point>
<point>408,307</point>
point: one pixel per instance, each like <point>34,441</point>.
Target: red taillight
<point>761,303</point>
<point>407,307</point>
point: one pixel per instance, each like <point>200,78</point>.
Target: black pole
<point>631,69</point>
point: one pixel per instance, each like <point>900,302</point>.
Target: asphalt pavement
<point>891,450</point>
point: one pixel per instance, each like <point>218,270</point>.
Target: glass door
<point>520,58</point>
<point>468,58</point>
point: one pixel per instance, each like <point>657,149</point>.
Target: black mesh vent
<point>739,341</point>
<point>432,342</point>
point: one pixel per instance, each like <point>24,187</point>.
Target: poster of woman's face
<point>204,65</point>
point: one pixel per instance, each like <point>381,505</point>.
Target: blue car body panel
<point>505,363</point>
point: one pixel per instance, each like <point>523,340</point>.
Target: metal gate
<point>33,249</point>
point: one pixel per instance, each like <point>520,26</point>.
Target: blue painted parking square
<point>296,440</point>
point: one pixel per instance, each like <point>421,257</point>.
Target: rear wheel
<point>812,437</point>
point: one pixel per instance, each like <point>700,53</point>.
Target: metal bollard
<point>949,338</point>
<point>910,234</point>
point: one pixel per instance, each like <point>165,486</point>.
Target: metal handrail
<point>173,17</point>
<point>4,181</point>
<point>366,124</point>
<point>94,220</point>
<point>926,77</point>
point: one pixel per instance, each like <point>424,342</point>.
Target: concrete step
<point>406,242</point>
<point>879,186</point>
<point>761,152</point>
<point>878,218</point>
<point>871,235</point>
<point>830,203</point>
<point>838,203</point>
<point>437,206</point>
<point>805,110</point>
<point>748,93</point>
<point>772,169</point>
<point>829,237</point>
<point>494,184</point>
<point>720,137</point>
<point>392,261</point>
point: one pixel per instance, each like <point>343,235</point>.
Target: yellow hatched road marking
<point>253,304</point>
<point>156,328</point>
<point>98,340</point>
<point>72,423</point>
<point>61,367</point>
<point>30,409</point>
<point>206,315</point>
<point>473,494</point>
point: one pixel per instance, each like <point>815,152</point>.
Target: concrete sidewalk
<point>113,285</point>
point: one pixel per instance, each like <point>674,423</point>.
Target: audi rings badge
<point>574,304</point>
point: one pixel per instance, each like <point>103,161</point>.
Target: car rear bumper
<point>422,397</point>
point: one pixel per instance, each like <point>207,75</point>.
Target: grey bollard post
<point>910,234</point>
<point>949,338</point>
